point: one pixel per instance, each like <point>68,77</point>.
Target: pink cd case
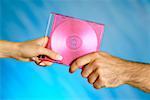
<point>72,37</point>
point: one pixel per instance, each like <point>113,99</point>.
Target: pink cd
<point>73,39</point>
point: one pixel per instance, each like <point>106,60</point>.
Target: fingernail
<point>33,58</point>
<point>59,57</point>
<point>42,64</point>
<point>70,71</point>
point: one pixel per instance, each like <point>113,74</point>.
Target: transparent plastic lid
<point>72,37</point>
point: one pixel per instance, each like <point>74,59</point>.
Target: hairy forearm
<point>7,49</point>
<point>138,75</point>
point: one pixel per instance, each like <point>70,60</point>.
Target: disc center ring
<point>74,42</point>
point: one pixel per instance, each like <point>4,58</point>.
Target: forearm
<point>139,75</point>
<point>7,49</point>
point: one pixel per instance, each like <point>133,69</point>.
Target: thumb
<point>41,41</point>
<point>51,54</point>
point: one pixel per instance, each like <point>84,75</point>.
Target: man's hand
<point>101,69</point>
<point>104,70</point>
<point>28,51</point>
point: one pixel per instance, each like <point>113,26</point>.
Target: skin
<point>28,51</point>
<point>104,70</point>
<point>100,68</point>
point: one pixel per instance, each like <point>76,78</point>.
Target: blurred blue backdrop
<point>127,35</point>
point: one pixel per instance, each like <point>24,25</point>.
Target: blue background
<point>127,35</point>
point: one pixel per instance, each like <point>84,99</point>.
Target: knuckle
<point>99,80</point>
<point>96,63</point>
<point>38,49</point>
<point>52,52</point>
<point>96,86</point>
<point>103,53</point>
<point>90,80</point>
<point>77,63</point>
<point>84,74</point>
<point>98,72</point>
<point>96,54</point>
<point>53,55</point>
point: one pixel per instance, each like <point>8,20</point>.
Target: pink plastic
<point>73,38</point>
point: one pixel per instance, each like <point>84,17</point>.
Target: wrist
<point>132,73</point>
<point>127,72</point>
<point>8,49</point>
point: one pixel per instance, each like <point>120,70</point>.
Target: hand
<point>29,50</point>
<point>102,69</point>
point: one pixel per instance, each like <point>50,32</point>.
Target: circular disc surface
<point>72,39</point>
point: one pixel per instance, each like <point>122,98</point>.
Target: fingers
<point>91,73</point>
<point>92,77</point>
<point>87,70</point>
<point>36,60</point>
<point>82,61</point>
<point>51,54</point>
<point>41,50</point>
<point>45,63</point>
<point>41,63</point>
<point>98,83</point>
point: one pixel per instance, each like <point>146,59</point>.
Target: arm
<point>28,51</point>
<point>139,75</point>
<point>104,70</point>
<point>7,49</point>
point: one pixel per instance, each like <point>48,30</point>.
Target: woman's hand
<point>28,51</point>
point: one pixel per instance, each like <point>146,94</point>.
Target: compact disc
<point>72,39</point>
